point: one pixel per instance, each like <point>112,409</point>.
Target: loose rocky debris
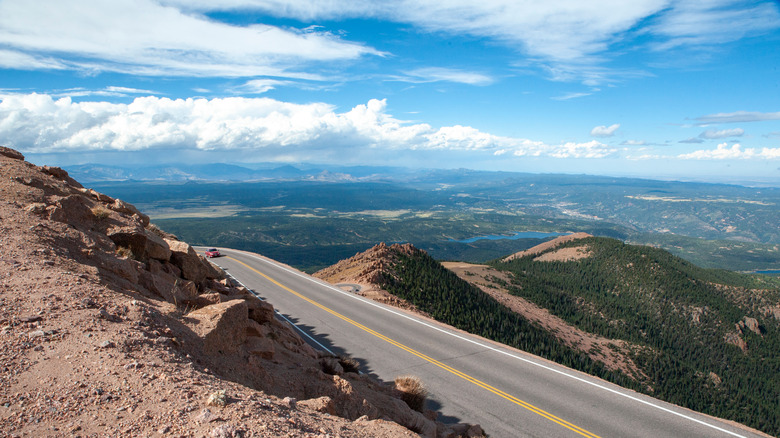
<point>112,327</point>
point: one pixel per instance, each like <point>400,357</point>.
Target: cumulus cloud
<point>39,123</point>
<point>146,38</point>
<point>723,133</point>
<point>734,152</point>
<point>604,131</point>
<point>738,117</point>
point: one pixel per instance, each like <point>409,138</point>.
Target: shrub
<point>413,392</point>
<point>349,364</point>
<point>100,212</point>
<point>123,251</point>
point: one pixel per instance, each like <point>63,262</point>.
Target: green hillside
<point>708,339</point>
<point>424,282</point>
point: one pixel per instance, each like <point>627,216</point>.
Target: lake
<point>516,236</point>
<point>768,271</point>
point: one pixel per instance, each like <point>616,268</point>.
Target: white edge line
<point>277,312</point>
<point>305,334</point>
<point>497,350</point>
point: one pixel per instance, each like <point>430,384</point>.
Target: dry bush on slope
<point>413,391</point>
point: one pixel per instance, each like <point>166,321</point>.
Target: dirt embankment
<point>111,327</point>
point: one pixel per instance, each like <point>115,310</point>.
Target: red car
<point>213,252</point>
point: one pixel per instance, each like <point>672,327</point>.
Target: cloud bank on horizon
<point>604,81</point>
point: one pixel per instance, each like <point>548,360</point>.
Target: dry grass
<point>349,364</point>
<point>100,212</point>
<point>413,391</point>
<point>123,251</point>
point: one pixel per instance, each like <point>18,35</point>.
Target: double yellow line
<point>431,360</point>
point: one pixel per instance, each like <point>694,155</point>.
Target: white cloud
<point>591,149</point>
<point>604,131</point>
<point>692,140</point>
<point>14,59</point>
<point>145,38</point>
<point>738,117</point>
<point>569,96</point>
<point>572,38</point>
<point>38,123</point>
<point>260,86</point>
<point>708,23</point>
<point>634,143</point>
<point>436,74</point>
<point>735,152</point>
<point>559,30</point>
<point>723,133</point>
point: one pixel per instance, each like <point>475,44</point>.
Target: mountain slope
<point>704,339</point>
<point>422,283</point>
<point>111,327</point>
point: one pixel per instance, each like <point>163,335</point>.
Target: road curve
<point>470,379</point>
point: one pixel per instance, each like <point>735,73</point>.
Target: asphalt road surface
<point>470,379</point>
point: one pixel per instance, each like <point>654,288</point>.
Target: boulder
<point>222,327</point>
<point>124,268</point>
<point>129,236</point>
<point>184,256</point>
<point>259,310</point>
<point>120,206</point>
<point>156,247</point>
<point>322,404</point>
<point>71,209</point>
<point>213,272</point>
<point>61,174</point>
<point>262,347</point>
<point>254,329</point>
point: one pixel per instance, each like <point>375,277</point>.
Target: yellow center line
<point>441,365</point>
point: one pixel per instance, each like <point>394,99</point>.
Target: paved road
<point>508,392</point>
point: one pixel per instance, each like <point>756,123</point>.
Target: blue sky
<point>685,89</point>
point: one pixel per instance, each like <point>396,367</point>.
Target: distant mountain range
<point>97,173</point>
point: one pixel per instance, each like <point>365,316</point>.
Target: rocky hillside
<point>111,327</point>
<point>365,271</point>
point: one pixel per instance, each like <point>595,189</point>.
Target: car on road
<point>213,252</point>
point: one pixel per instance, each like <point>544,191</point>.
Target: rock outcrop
<point>109,326</point>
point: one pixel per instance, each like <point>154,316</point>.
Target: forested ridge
<point>424,282</point>
<point>704,339</point>
<point>693,325</point>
